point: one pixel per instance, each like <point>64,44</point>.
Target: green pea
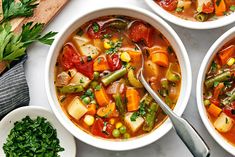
<point>96,75</point>
<point>116,133</point>
<point>94,84</point>
<point>86,100</point>
<point>207,102</point>
<point>126,135</point>
<point>122,129</point>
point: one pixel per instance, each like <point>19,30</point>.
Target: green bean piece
<point>229,99</point>
<point>71,89</point>
<point>114,76</point>
<point>150,117</point>
<point>164,83</point>
<point>218,78</point>
<point>121,107</point>
<point>171,75</point>
<point>147,99</point>
<point>201,17</point>
<point>118,24</point>
<point>96,75</point>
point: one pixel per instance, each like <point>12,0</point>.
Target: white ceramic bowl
<point>7,123</point>
<point>136,13</point>
<point>230,34</point>
<point>223,21</point>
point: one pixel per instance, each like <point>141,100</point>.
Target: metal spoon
<point>185,131</point>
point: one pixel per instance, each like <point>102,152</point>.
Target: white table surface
<point>196,42</point>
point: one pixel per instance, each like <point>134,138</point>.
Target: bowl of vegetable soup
<point>215,91</point>
<point>92,84</point>
<point>198,14</point>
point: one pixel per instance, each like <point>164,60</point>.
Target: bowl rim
<point>223,21</point>
<point>227,36</point>
<point>48,114</point>
<point>132,143</point>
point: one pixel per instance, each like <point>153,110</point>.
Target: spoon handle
<point>190,137</point>
<point>184,130</point>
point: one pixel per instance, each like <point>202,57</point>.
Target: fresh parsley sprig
<point>12,45</point>
<point>12,9</point>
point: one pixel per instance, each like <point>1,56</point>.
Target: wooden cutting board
<point>44,13</point>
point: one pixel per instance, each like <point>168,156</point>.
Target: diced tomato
<point>230,110</point>
<point>215,101</point>
<point>99,128</point>
<point>92,34</point>
<point>140,31</point>
<point>68,55</point>
<point>208,8</point>
<point>169,5</point>
<point>84,66</point>
<point>114,62</point>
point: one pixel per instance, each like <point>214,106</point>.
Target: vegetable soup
<point>96,77</point>
<point>198,10</point>
<point>219,91</point>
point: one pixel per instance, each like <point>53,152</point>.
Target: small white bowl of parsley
<point>34,131</point>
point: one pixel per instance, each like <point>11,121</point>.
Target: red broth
<point>219,91</point>
<point>96,77</point>
<point>198,10</point>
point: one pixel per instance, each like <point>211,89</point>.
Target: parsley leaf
<point>22,8</point>
<point>216,84</point>
<point>179,9</point>
<point>232,8</point>
<point>31,33</point>
<point>95,27</point>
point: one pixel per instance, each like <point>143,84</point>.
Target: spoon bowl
<point>184,130</point>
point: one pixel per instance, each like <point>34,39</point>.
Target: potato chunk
<point>76,108</point>
<point>80,41</point>
<point>80,79</point>
<point>133,125</point>
<point>89,50</point>
<point>223,123</point>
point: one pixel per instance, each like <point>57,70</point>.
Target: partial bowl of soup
<point>92,83</point>
<point>216,91</point>
<point>195,14</point>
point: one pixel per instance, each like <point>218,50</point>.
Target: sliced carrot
<point>106,111</point>
<point>135,57</point>
<point>157,49</point>
<point>101,97</point>
<point>91,109</point>
<point>226,54</point>
<point>133,99</point>
<point>160,59</point>
<point>100,64</point>
<point>220,7</point>
<point>218,90</point>
<point>214,110</point>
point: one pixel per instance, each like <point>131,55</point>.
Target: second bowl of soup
<point>92,79</point>
<point>216,91</point>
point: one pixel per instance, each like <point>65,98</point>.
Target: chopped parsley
<point>216,84</point>
<point>217,2</point>
<point>140,112</point>
<point>95,27</point>
<point>213,66</point>
<point>32,137</point>
<point>170,49</point>
<point>107,36</point>
<point>232,8</point>
<point>114,47</point>
<point>98,87</point>
<point>80,32</point>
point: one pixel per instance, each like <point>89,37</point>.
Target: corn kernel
<point>118,125</point>
<point>231,61</point>
<point>107,44</point>
<point>112,121</point>
<point>125,57</point>
<point>89,120</point>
